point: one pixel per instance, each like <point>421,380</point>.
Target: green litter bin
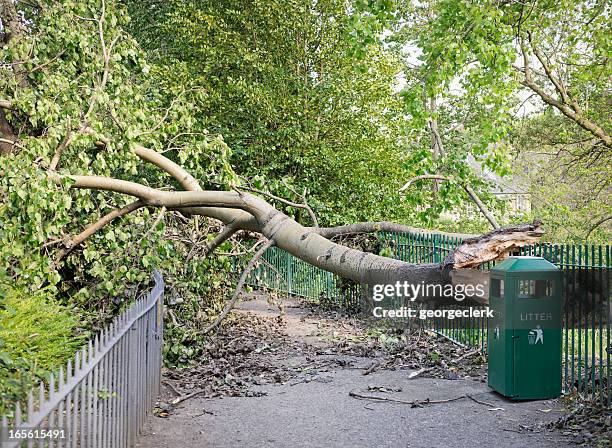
<point>524,335</point>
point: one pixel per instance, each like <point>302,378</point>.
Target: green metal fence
<point>587,316</point>
<point>279,270</point>
<point>418,247</point>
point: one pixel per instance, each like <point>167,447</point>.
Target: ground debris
<point>412,403</point>
<point>428,354</point>
<point>247,350</point>
<point>254,350</point>
<point>589,423</point>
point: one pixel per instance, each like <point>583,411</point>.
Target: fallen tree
<point>243,211</point>
<point>82,107</point>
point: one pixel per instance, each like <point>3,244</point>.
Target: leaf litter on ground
<point>252,350</point>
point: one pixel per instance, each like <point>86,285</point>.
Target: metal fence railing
<point>279,270</point>
<point>587,345</point>
<point>102,397</point>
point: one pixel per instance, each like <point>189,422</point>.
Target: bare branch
<point>483,208</point>
<point>284,201</point>
<point>240,219</point>
<point>556,82</point>
<point>223,236</point>
<point>187,181</point>
<point>594,226</point>
<point>11,143</point>
<point>106,57</point>
<point>160,198</point>
<point>165,116</point>
<point>73,242</point>
<point>471,193</point>
<point>158,219</point>
<point>241,281</point>
<point>422,177</point>
<point>311,213</point>
<point>565,109</point>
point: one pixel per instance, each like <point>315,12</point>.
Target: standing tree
<point>548,60</point>
<point>280,82</point>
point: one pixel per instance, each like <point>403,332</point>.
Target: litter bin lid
<point>524,264</point>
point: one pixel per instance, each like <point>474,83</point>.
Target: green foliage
<point>331,99</point>
<point>467,57</point>
<point>70,87</point>
<point>36,335</point>
<point>279,81</point>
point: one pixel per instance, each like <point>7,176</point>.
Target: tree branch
<point>223,236</point>
<point>495,245</point>
<point>304,206</point>
<point>556,82</point>
<point>7,145</point>
<point>483,208</point>
<point>158,219</point>
<point>13,30</point>
<point>422,177</point>
<point>471,193</point>
<point>73,242</point>
<point>241,219</point>
<point>228,307</point>
<point>184,178</point>
<point>311,213</point>
<point>238,218</point>
<point>307,244</point>
<point>565,109</point>
<point>597,224</point>
<point>382,226</point>
<point>63,145</point>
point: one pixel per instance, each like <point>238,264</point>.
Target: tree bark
<point>6,133</point>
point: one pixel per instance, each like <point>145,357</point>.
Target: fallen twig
<point>419,372</point>
<point>228,307</point>
<point>186,397</point>
<point>480,402</point>
<point>454,361</point>
<point>414,403</point>
<point>417,403</point>
<point>465,355</point>
<point>171,386</point>
<point>371,369</point>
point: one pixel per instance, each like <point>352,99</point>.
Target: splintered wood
<point>495,245</point>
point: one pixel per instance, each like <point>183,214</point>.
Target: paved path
<point>321,413</point>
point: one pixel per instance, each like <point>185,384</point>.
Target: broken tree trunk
<point>495,245</point>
